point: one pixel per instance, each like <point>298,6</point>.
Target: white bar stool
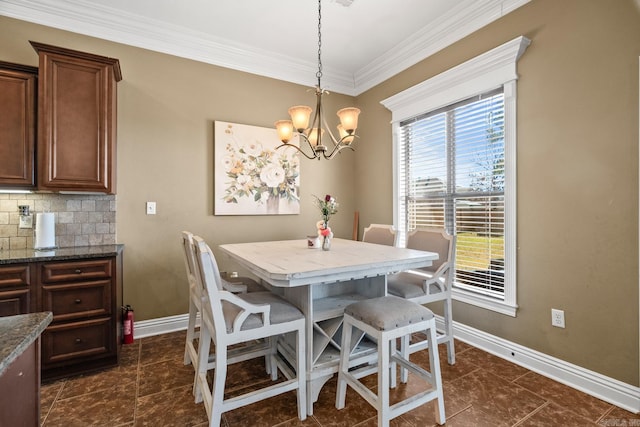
<point>385,319</point>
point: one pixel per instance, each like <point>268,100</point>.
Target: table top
<point>289,263</point>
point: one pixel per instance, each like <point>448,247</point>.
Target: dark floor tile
<point>130,354</point>
<point>577,401</point>
<point>494,364</point>
<point>356,409</point>
<point>48,394</point>
<point>102,380</point>
<point>163,347</point>
<point>164,375</point>
<point>619,417</point>
<point>493,395</point>
<point>552,413</point>
<point>268,412</point>
<point>174,407</point>
<point>475,417</point>
<point>107,408</point>
<point>448,372</point>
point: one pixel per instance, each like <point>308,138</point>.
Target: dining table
<point>321,284</point>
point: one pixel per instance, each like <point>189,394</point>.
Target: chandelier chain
<point>319,73</point>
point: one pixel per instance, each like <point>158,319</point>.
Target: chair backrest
<point>190,262</point>
<point>212,311</point>
<point>433,240</point>
<point>382,234</point>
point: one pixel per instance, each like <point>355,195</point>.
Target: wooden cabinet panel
<point>68,271</point>
<point>15,289</point>
<point>14,302</point>
<point>76,120</point>
<point>77,301</point>
<point>67,341</point>
<point>18,84</point>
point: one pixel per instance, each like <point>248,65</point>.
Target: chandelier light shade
<point>318,132</point>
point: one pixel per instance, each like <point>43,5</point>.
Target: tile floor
<point>152,387</point>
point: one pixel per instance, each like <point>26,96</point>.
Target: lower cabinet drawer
<point>78,300</point>
<point>14,302</point>
<point>69,341</point>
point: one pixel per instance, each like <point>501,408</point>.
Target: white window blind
<point>451,174</point>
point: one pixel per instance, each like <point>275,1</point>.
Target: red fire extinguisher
<point>127,323</point>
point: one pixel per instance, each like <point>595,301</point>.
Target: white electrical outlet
<point>151,208</point>
<point>557,318</point>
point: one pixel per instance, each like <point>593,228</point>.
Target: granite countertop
<point>17,333</point>
<point>78,252</point>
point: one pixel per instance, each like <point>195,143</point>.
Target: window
<point>454,160</point>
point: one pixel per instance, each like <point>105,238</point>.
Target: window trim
<point>485,72</point>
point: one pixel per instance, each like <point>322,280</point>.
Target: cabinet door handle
<point>78,301</point>
<point>78,271</point>
<point>78,341</point>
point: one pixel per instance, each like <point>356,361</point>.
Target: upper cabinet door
<point>77,115</point>
<point>18,85</point>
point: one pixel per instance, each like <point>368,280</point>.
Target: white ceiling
<point>364,42</point>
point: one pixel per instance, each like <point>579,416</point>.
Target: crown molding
<point>115,25</point>
<point>464,19</point>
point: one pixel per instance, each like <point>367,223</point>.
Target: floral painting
<point>251,176</point>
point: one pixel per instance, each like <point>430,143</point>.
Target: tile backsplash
<point>81,220</point>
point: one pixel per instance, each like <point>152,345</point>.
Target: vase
<point>326,243</point>
<point>273,205</point>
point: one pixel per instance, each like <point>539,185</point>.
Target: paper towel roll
<point>45,231</point>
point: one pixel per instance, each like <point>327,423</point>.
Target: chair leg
<point>392,364</point>
<point>404,351</point>
<point>270,359</point>
<point>448,330</point>
<point>345,346</point>
<point>301,373</point>
<point>204,346</point>
<point>219,379</point>
<point>191,329</point>
<point>434,364</point>
<point>382,401</point>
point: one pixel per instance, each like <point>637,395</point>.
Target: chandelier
<point>319,131</point>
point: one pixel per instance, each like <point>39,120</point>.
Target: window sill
<point>484,302</point>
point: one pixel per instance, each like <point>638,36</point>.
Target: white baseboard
<point>161,325</point>
<point>608,389</point>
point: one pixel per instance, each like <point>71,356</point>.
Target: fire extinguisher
<point>127,323</point>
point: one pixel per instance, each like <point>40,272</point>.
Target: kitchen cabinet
<point>16,289</point>
<point>77,120</point>
<point>82,287</point>
<point>18,94</point>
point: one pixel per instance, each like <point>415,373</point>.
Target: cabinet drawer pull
<point>78,271</point>
<point>78,341</point>
<point>78,301</point>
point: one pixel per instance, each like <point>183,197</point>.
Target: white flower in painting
<point>264,196</point>
<point>272,175</point>
<point>228,163</point>
<point>243,179</point>
<point>253,148</point>
<point>249,165</point>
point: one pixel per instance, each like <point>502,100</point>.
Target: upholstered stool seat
<point>385,319</point>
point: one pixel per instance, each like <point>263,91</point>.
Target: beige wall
<point>577,170</point>
<point>577,177</point>
<point>166,110</point>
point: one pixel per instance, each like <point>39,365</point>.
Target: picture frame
<point>251,177</point>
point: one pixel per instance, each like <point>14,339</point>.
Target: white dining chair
<point>381,234</point>
<point>229,319</point>
<point>429,284</point>
<point>236,285</point>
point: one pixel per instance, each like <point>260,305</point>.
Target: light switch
<point>151,208</point>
